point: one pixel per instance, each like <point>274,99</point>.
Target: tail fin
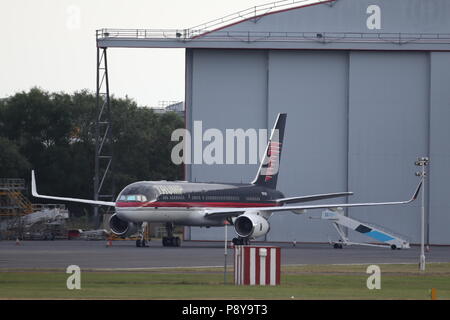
<point>268,170</point>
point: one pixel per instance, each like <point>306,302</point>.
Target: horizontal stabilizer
<point>313,197</point>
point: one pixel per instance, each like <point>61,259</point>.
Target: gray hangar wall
<point>357,121</point>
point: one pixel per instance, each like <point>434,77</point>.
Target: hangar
<point>365,84</point>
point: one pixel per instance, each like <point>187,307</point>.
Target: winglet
<point>416,194</point>
<point>33,185</point>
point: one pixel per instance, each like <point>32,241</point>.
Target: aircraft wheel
<point>177,241</point>
<point>336,246</point>
<point>393,247</point>
<point>241,241</point>
<point>164,242</point>
<point>238,241</point>
<point>138,243</point>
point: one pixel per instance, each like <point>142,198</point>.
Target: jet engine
<point>122,228</point>
<point>251,225</point>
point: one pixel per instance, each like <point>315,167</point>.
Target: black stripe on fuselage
<point>164,191</point>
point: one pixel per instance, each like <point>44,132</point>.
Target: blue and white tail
<point>268,170</point>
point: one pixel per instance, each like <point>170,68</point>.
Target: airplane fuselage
<point>184,203</point>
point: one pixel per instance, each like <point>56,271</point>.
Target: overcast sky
<point>51,44</point>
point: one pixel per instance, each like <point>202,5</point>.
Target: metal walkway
<point>12,201</point>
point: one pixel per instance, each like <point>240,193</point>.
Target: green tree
<point>13,163</point>
<point>54,133</point>
<point>142,143</point>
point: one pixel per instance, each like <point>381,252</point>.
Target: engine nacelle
<point>251,225</point>
<point>122,228</point>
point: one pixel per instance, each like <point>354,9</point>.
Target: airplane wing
<point>35,194</point>
<point>312,197</point>
<point>233,212</point>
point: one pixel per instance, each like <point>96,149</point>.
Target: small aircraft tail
<point>268,170</point>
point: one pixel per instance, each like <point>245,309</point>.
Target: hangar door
<point>356,121</point>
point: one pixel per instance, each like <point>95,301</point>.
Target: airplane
<point>247,207</point>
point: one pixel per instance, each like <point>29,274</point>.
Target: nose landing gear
<point>142,241</point>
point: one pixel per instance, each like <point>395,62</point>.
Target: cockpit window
<point>138,192</point>
<point>133,198</point>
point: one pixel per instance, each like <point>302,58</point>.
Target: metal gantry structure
<point>103,136</point>
<point>13,206</point>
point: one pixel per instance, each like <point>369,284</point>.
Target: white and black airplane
<point>247,207</point>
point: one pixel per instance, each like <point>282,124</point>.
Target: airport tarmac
<point>124,255</point>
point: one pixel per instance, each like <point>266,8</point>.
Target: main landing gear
<point>241,241</point>
<point>170,240</point>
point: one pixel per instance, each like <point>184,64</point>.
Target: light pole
<point>225,254</point>
<point>422,162</point>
